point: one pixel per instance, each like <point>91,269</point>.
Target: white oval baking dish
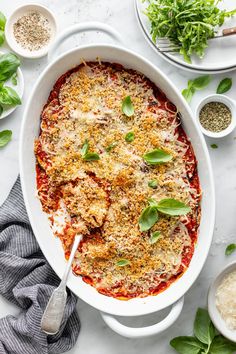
<point>51,246</point>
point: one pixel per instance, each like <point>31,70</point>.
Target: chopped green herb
<point>85,148</point>
<point>127,106</point>
<point>157,157</point>
<point>111,146</point>
<point>122,262</point>
<point>91,156</point>
<point>152,184</point>
<point>129,137</point>
<point>155,236</point>
<point>224,86</point>
<point>5,137</point>
<point>187,24</point>
<point>214,146</point>
<point>230,249</point>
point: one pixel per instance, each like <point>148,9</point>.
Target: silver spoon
<point>53,314</point>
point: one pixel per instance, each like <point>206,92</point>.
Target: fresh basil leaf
<point>129,137</point>
<point>127,106</point>
<point>203,327</point>
<point>230,249</point>
<point>85,148</point>
<point>5,137</point>
<point>2,37</point>
<point>188,94</point>
<point>187,345</point>
<point>201,82</point>
<point>14,79</point>
<point>1,110</point>
<point>111,146</point>
<point>91,156</point>
<point>152,184</point>
<point>155,236</point>
<point>122,262</point>
<point>9,97</point>
<point>214,146</point>
<point>157,157</point>
<point>8,66</point>
<point>221,345</point>
<point>152,202</point>
<point>173,207</point>
<point>2,21</point>
<point>148,218</point>
<point>224,86</point>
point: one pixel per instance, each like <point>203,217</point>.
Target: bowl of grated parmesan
<point>30,30</point>
<point>222,302</point>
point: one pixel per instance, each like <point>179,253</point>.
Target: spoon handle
<point>54,311</point>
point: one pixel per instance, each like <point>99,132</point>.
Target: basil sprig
<point>230,249</point>
<point>205,339</point>
<point>156,157</point>
<point>127,106</point>
<point>152,184</point>
<point>8,66</point>
<point>155,236</point>
<point>86,155</point>
<point>224,86</point>
<point>197,84</point>
<point>150,216</point>
<point>5,137</point>
<point>8,96</point>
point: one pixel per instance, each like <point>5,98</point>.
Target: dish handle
<point>80,28</point>
<point>131,332</point>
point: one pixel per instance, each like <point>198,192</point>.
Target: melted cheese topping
<point>103,199</point>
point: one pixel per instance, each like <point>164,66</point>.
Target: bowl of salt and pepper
<point>30,30</point>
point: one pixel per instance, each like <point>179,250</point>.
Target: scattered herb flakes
<point>215,116</point>
<point>5,137</point>
<point>129,137</point>
<point>91,156</point>
<point>224,86</point>
<point>111,146</point>
<point>155,236</point>
<point>122,262</point>
<point>127,106</point>
<point>214,146</point>
<point>153,184</point>
<point>230,249</point>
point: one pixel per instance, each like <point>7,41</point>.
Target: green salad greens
<point>188,24</point>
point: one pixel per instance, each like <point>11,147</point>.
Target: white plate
<point>220,56</point>
<point>19,88</point>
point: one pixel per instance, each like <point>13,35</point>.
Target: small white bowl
<point>19,88</point>
<point>216,318</point>
<point>19,12</point>
<point>229,103</point>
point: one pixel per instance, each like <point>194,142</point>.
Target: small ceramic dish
<point>9,31</point>
<point>19,88</point>
<point>213,311</point>
<point>222,99</point>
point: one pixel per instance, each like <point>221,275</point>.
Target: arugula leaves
<point>150,216</point>
<point>198,83</point>
<point>5,137</point>
<point>224,86</point>
<point>205,339</point>
<point>187,24</point>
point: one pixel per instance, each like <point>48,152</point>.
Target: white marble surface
<point>95,337</point>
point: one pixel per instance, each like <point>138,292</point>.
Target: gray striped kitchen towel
<point>27,280</point>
